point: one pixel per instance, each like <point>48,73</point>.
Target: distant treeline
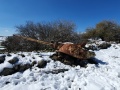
<point>59,31</point>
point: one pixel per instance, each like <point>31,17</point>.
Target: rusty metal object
<point>74,50</point>
<point>34,40</point>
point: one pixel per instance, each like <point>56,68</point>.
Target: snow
<point>3,38</point>
<point>105,76</point>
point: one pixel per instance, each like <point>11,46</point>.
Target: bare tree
<point>63,31</point>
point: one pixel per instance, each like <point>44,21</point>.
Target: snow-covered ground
<point>104,76</point>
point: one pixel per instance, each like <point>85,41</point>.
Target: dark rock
<point>14,60</point>
<point>9,55</point>
<point>104,46</point>
<point>91,47</point>
<point>33,63</point>
<point>24,67</point>
<point>7,71</point>
<point>17,68</point>
<point>42,63</point>
<point>40,55</point>
<point>2,58</point>
<point>33,57</point>
<point>7,82</point>
<point>22,55</point>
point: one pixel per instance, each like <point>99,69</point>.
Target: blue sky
<point>84,13</point>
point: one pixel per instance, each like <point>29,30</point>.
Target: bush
<point>106,30</point>
<point>59,31</point>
